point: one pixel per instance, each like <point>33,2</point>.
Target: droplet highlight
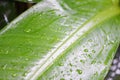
<point>79,71</point>
<point>85,50</point>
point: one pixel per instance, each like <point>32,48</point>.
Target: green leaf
<point>61,40</point>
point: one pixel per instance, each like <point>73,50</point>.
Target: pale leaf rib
<point>81,31</point>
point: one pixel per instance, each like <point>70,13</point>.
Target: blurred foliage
<point>7,12</point>
<point>31,1</point>
<point>10,9</point>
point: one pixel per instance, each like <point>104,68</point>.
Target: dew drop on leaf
<point>79,71</point>
<point>70,64</point>
<point>25,74</point>
<point>4,66</point>
<point>96,73</point>
<point>59,28</point>
<point>93,62</point>
<point>70,70</point>
<point>14,75</point>
<point>13,64</point>
<point>26,59</point>
<point>48,38</point>
<point>90,40</point>
<point>0,51</point>
<point>60,64</point>
<point>62,79</point>
<point>22,66</point>
<point>80,78</point>
<point>111,42</point>
<point>89,56</point>
<point>27,30</point>
<point>10,68</point>
<point>85,50</point>
<point>6,52</point>
<point>61,71</point>
<point>93,51</point>
<point>82,61</point>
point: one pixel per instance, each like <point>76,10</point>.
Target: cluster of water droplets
<point>79,62</point>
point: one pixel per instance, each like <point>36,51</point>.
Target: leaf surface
<point>61,40</point>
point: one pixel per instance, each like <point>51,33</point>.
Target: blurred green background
<point>10,9</point>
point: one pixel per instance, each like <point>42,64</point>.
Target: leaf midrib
<point>81,31</point>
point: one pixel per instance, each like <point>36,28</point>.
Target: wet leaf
<point>61,40</point>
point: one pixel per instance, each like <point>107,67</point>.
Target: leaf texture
<point>61,40</point>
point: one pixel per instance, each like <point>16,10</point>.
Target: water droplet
<point>6,52</point>
<point>62,79</point>
<point>93,51</point>
<point>83,46</point>
<point>111,42</point>
<point>13,64</point>
<point>93,62</point>
<point>79,71</point>
<point>61,71</point>
<point>85,50</point>
<point>82,61</point>
<point>108,37</point>
<point>20,58</point>
<point>4,66</point>
<point>96,73</point>
<point>59,28</point>
<point>80,78</point>
<point>27,30</point>
<point>89,56</point>
<point>10,68</point>
<point>104,45</point>
<point>47,38</point>
<point>14,75</point>
<point>1,51</point>
<point>50,78</point>
<point>22,66</point>
<point>70,64</point>
<point>70,70</point>
<point>25,74</point>
<point>90,40</point>
<point>60,64</point>
<point>42,37</point>
<point>26,59</point>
